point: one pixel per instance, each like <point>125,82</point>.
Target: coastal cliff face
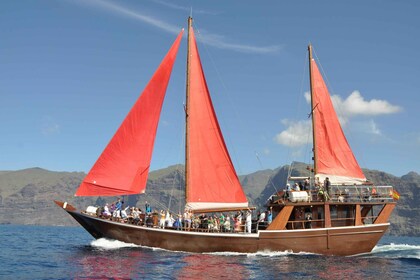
<point>26,196</point>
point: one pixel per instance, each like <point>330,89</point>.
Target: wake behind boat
<point>348,216</point>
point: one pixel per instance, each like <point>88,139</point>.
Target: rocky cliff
<point>26,196</point>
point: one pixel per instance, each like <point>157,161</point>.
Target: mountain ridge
<point>26,196</point>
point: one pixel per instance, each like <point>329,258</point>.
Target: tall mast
<point>187,106</point>
<point>312,107</point>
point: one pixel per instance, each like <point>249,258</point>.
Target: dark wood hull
<point>349,240</point>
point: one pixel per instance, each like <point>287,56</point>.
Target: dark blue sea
<point>45,252</point>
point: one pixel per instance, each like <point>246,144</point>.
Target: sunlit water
<point>36,252</point>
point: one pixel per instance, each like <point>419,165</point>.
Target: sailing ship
<point>349,220</point>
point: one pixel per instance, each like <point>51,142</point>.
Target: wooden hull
<point>332,241</point>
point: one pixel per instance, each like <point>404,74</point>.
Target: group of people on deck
<point>322,191</point>
<point>215,222</point>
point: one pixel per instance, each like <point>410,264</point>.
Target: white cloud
<point>135,15</point>
<point>353,105</point>
<point>356,105</point>
<point>297,133</point>
<point>214,40</point>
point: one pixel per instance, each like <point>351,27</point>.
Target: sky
<point>71,70</point>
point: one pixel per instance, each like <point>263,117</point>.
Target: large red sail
<point>123,166</point>
<point>211,178</point>
<point>334,158</point>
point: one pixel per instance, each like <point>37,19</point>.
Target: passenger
<point>167,218</point>
<point>148,208</point>
<point>238,224</point>
<point>222,220</point>
<point>216,223</point>
<point>261,219</point>
<point>187,219</point>
<point>226,224</point>
<point>210,224</point>
<point>106,213</point>
<point>118,208</point>
<point>171,221</point>
<point>301,186</point>
<point>195,221</point>
<point>136,216</point>
<point>269,216</point>
<point>124,215</point>
<point>296,187</point>
<point>288,190</point>
<point>112,209</point>
<point>308,223</point>
<point>327,186</point>
<point>178,222</point>
<point>306,185</point>
<point>248,218</point>
<point>162,219</point>
<point>149,220</point>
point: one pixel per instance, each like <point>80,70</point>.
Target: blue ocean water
<point>44,252</point>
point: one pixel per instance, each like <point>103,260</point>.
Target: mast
<point>312,108</point>
<point>187,106</point>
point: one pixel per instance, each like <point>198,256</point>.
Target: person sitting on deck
<point>216,223</point>
<point>210,224</point>
<point>136,216</point>
<point>106,213</point>
<point>124,213</point>
<point>296,187</point>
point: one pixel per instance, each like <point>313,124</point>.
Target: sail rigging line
<point>226,93</point>
<point>297,116</point>
<point>270,181</point>
<point>212,182</point>
<point>338,108</point>
<point>333,155</point>
<point>123,166</point>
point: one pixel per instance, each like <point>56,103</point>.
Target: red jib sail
<point>334,158</point>
<point>123,166</point>
<point>211,178</point>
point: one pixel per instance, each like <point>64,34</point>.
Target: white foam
<point>263,253</point>
<point>108,244</point>
<point>395,247</point>
<point>393,250</point>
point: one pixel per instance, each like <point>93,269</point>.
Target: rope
<point>232,104</point>
<point>269,179</point>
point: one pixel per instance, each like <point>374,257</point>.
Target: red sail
<point>211,178</point>
<point>123,166</point>
<point>334,158</point>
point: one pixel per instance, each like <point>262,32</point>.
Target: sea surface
<point>46,252</point>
